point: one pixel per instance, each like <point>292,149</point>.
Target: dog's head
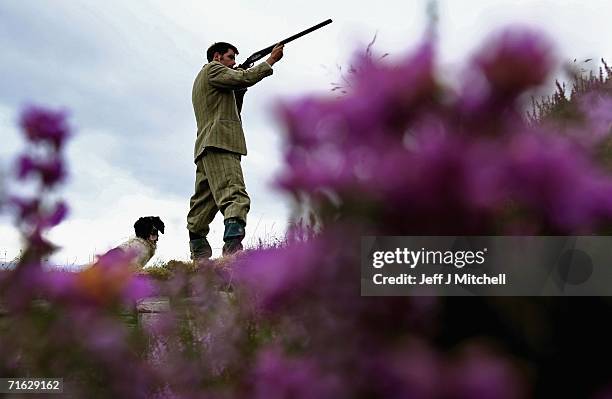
<point>147,225</point>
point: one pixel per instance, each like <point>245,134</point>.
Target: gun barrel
<point>262,53</point>
<point>305,32</point>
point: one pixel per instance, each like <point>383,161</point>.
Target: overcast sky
<point>125,71</point>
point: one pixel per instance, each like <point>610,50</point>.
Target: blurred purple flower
<point>51,171</point>
<point>279,377</point>
<point>102,336</point>
<point>478,374</point>
<point>515,59</point>
<point>43,125</point>
<point>106,341</point>
<point>60,285</point>
<point>25,284</point>
<point>137,288</point>
<point>55,217</point>
<point>278,275</point>
<point>25,166</point>
<point>387,96</point>
<point>27,208</point>
<point>553,177</point>
<point>39,246</point>
<point>411,370</point>
<point>509,63</point>
<point>451,163</point>
<point>112,280</point>
<point>597,109</point>
<point>382,101</point>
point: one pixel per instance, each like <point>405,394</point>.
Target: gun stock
<point>262,53</point>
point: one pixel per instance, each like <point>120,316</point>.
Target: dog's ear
<point>159,225</point>
<point>142,227</point>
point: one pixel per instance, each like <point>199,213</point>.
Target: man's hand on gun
<point>276,55</point>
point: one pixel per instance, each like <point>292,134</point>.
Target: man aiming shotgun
<point>219,184</point>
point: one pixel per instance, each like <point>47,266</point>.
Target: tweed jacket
<point>214,104</point>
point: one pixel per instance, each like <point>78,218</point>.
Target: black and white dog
<point>143,246</point>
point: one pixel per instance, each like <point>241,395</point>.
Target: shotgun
<point>262,53</point>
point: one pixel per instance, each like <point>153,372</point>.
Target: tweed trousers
<point>219,186</point>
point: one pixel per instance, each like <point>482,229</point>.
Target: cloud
<point>112,74</point>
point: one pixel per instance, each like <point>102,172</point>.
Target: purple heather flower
<point>266,273</point>
<point>279,377</point>
<point>515,59</point>
<point>382,100</point>
<point>105,340</point>
<point>38,244</point>
<point>137,288</point>
<point>43,125</point>
<point>311,121</point>
<point>510,62</point>
<point>60,284</point>
<point>55,217</point>
<point>26,208</point>
<point>111,280</point>
<point>442,176</point>
<point>392,93</point>
<point>482,375</point>
<point>597,109</point>
<point>410,370</point>
<point>552,176</point>
<point>26,283</point>
<point>102,336</point>
<point>25,166</point>
<point>51,171</point>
